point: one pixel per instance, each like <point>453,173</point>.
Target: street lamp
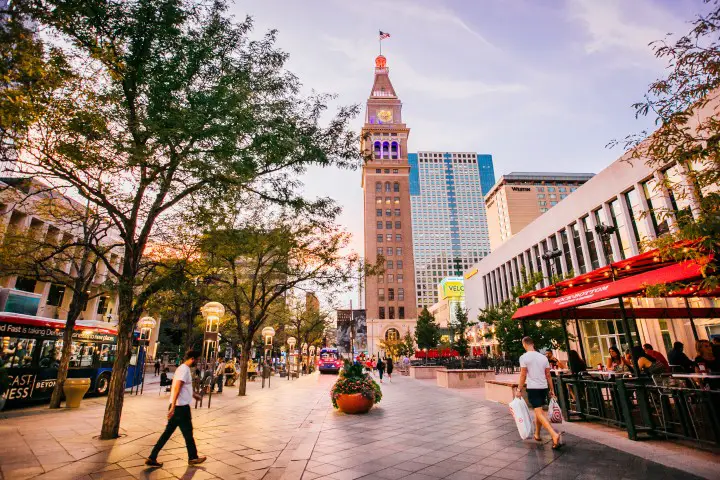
<point>212,312</point>
<point>268,333</point>
<point>291,343</point>
<point>605,231</point>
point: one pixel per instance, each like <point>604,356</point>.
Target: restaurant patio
<point>678,404</point>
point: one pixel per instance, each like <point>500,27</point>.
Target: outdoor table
<point>696,375</point>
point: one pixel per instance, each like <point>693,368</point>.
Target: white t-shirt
<point>183,374</point>
<point>536,363</point>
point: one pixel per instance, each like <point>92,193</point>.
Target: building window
<point>397,225</point>
<point>566,249</point>
<point>398,251</point>
<point>397,212</point>
<point>541,195</point>
<point>561,189</point>
<point>552,195</point>
<point>396,187</point>
<point>400,278</point>
<point>379,238</point>
<point>387,200</point>
<point>399,264</point>
<point>632,202</point>
<point>551,189</point>
<point>379,250</point>
<point>389,251</point>
<point>379,225</point>
<point>395,170</point>
<point>401,294</point>
<point>543,203</point>
<point>388,237</point>
<point>378,212</point>
<point>398,237</point>
<point>377,170</point>
<point>387,170</point>
<point>381,294</point>
<point>401,313</point>
<point>592,249</point>
<point>378,186</point>
<point>391,294</point>
<point>387,187</point>
<point>619,222</point>
<point>103,305</point>
<point>55,295</point>
<point>391,313</point>
<point>577,245</point>
<point>388,212</point>
<point>552,204</point>
<point>606,245</point>
<point>389,264</point>
<point>381,313</point>
<point>392,334</point>
<point>397,199</point>
<point>391,278</point>
<point>650,191</point>
<point>381,279</point>
<point>25,284</point>
<point>540,189</point>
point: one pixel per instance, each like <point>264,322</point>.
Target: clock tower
<point>390,297</point>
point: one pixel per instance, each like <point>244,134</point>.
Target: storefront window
<point>665,332</point>
<point>599,336</point>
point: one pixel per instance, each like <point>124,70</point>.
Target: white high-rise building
<point>449,222</point>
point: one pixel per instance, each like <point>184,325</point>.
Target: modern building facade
<point>627,196</point>
<point>518,198</point>
<point>390,297</point>
<point>449,224</point>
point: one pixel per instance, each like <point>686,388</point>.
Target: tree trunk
<point>244,357</point>
<point>73,314</point>
<point>116,392</point>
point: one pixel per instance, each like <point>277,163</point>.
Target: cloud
<point>621,27</point>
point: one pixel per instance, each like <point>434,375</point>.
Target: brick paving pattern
<point>418,432</point>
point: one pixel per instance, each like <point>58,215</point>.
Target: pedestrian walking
<point>389,367</point>
<point>179,413</point>
<point>220,376</point>
<point>157,367</point>
<point>380,368</point>
<point>535,370</point>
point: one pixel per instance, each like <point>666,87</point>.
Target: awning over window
<point>631,285</point>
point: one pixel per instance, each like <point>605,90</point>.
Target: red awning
<point>677,272</point>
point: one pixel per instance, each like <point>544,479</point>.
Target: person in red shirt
<point>659,357</point>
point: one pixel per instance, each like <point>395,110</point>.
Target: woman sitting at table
<point>706,361</point>
<point>615,361</point>
<point>575,363</point>
<point>646,363</point>
<point>554,362</point>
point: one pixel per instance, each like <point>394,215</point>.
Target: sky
<point>539,85</point>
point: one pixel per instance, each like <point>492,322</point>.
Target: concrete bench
<point>467,378</point>
<point>500,391</point>
<point>421,372</point>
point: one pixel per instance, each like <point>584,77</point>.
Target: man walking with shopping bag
<point>535,371</point>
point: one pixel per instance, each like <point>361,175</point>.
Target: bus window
<point>51,353</point>
<point>107,352</point>
<point>17,352</point>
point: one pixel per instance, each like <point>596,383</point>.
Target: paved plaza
<point>290,431</point>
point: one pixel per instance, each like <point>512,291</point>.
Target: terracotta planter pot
<point>354,403</point>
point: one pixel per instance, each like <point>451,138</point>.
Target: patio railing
<point>655,407</point>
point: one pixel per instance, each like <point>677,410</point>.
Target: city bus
<point>329,360</point>
<point>31,347</point>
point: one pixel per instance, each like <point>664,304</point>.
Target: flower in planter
<point>354,380</point>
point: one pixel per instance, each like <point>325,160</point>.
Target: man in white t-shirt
<point>535,370</point>
<point>179,412</point>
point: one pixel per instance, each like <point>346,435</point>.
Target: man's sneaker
<point>197,461</point>
<point>150,462</point>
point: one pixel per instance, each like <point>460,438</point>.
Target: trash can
<point>75,389</point>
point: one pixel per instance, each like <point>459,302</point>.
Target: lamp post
<point>312,355</point>
<point>212,312</point>
<point>304,350</point>
<point>605,231</point>
<point>268,333</point>
<point>291,343</point>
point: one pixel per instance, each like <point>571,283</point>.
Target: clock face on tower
<point>385,116</point>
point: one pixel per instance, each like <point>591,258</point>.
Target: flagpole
<point>380,43</point>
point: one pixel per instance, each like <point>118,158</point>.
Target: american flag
<point>384,35</point>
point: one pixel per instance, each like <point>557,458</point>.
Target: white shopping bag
<point>521,414</point>
<point>554,411</point>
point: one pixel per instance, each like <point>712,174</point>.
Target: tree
<point>169,100</point>
<point>688,137</point>
<point>409,342</point>
<point>458,333</point>
<point>68,259</point>
<point>427,332</point>
<point>509,332</point>
<point>258,263</point>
